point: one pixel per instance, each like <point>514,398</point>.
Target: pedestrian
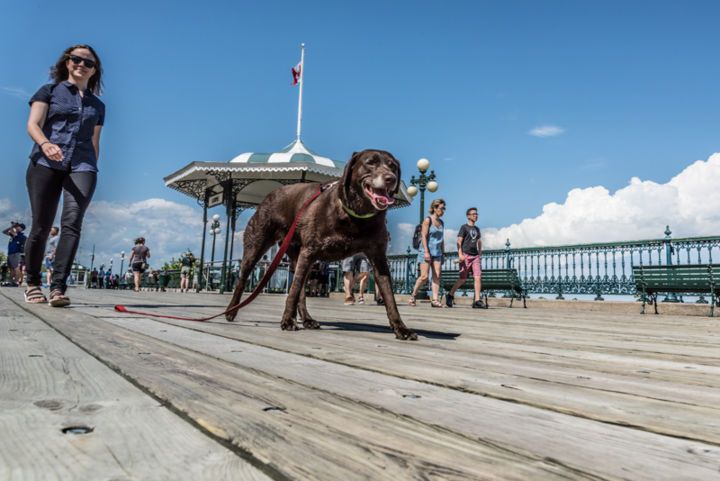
<point>108,279</point>
<point>16,248</point>
<point>314,279</point>
<point>66,118</point>
<point>50,249</point>
<point>356,269</point>
<point>186,263</point>
<point>101,277</point>
<point>469,252</point>
<point>94,278</point>
<point>164,278</point>
<point>432,252</point>
<point>324,277</point>
<point>138,260</point>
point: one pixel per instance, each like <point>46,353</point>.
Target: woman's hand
<point>427,256</point>
<point>52,152</point>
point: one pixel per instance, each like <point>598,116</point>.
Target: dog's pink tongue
<point>384,199</point>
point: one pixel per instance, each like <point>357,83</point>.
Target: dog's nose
<point>390,180</point>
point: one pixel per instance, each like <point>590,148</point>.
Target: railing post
<point>507,254</point>
<point>670,297</point>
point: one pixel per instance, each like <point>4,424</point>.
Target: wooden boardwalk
<point>522,394</point>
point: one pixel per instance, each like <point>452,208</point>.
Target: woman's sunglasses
<point>88,63</point>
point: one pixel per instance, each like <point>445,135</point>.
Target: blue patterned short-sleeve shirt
<point>70,124</point>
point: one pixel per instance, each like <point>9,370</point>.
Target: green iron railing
<point>596,269</point>
<point>601,268</point>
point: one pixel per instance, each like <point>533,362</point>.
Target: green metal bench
<point>506,280</point>
<point>686,279</point>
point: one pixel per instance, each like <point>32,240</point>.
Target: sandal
<point>34,295</point>
<point>412,301</point>
<point>349,300</point>
<point>58,299</point>
<point>435,303</point>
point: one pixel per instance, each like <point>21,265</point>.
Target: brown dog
<point>347,218</point>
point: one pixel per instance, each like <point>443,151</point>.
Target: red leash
<point>266,278</point>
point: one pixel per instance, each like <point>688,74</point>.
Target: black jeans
<point>45,185</point>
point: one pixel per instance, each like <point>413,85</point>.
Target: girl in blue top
<point>432,252</point>
<point>65,121</point>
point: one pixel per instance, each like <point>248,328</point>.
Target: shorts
<point>421,258</point>
<point>13,260</point>
<point>138,267</point>
<point>49,263</point>
<point>185,272</point>
<point>357,264</point>
<point>472,263</point>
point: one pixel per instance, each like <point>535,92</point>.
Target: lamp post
<point>122,261</point>
<point>214,231</point>
<point>424,181</point>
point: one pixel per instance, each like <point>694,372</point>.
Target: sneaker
<point>349,301</point>
<point>449,300</point>
<point>361,300</point>
<point>479,305</point>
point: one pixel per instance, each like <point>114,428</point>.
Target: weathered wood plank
<point>48,384</point>
<point>655,405</point>
<point>315,434</point>
<point>572,441</point>
<point>505,355</point>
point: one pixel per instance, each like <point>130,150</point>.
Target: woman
<point>138,260</point>
<point>65,122</point>
<point>432,253</point>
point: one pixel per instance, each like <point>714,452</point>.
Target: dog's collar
<point>353,213</point>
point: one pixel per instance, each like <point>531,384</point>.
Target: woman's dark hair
<point>140,240</point>
<point>59,72</point>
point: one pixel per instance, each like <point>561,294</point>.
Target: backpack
<point>417,236</point>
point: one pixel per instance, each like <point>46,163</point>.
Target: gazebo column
<point>202,248</point>
<point>229,201</point>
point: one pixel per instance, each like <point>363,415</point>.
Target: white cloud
<point>689,203</point>
<point>546,131</point>
<point>169,228</point>
<point>15,92</point>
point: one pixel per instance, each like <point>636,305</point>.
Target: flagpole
<point>302,73</point>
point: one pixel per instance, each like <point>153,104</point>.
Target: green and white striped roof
<point>295,152</point>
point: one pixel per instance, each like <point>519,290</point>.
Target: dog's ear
<point>347,174</point>
<point>399,174</point>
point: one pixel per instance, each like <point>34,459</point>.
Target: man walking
<point>356,269</point>
<point>50,252</point>
<point>16,247</point>
<point>469,252</point>
<point>186,262</point>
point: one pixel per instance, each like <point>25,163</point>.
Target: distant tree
<point>172,265</point>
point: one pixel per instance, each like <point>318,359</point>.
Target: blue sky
<point>517,105</point>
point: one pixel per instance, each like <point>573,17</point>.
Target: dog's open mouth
<point>380,198</point>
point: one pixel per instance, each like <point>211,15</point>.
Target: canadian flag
<point>296,71</point>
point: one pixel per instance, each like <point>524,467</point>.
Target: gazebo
<point>244,181</point>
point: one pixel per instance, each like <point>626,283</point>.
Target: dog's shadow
<point>361,326</point>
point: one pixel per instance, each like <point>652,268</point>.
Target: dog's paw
<point>289,325</point>
<point>405,334</point>
<point>311,324</point>
<point>230,316</point>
